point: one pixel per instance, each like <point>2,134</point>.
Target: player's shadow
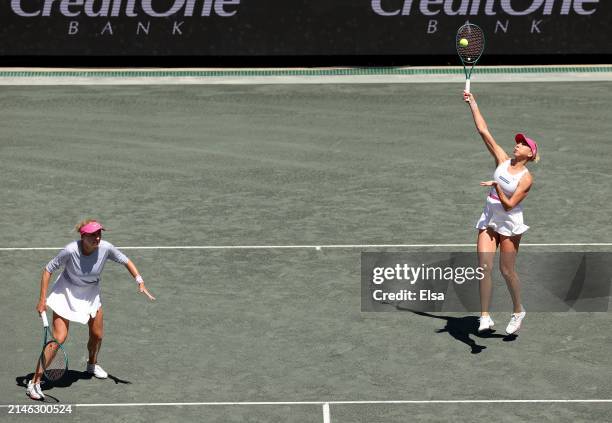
<point>461,328</point>
<point>71,377</point>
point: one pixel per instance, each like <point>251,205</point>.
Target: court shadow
<point>462,328</point>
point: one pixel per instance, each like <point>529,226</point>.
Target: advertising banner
<point>299,27</point>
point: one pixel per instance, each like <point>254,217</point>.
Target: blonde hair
<point>82,223</point>
<point>536,159</point>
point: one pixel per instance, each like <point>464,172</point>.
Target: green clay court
<point>220,194</point>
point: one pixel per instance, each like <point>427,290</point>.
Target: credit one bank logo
<point>487,9</point>
<point>126,8</point>
<point>483,7</point>
<point>140,9</point>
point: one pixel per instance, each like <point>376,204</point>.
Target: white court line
<point>323,403</point>
<point>326,414</point>
<point>316,246</point>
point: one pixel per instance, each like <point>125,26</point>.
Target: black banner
<point>299,27</point>
<point>555,282</point>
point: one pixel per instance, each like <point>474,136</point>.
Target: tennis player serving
<point>75,295</point>
<point>501,223</point>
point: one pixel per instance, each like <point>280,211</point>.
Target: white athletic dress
<point>494,216</point>
<point>75,295</point>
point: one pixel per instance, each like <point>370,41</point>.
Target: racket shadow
<point>118,381</point>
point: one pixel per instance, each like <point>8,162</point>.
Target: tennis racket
<point>470,43</point>
<point>53,358</point>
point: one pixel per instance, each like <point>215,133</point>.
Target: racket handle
<point>43,316</point>
<point>467,85</point>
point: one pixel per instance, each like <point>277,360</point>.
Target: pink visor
<point>531,143</point>
<point>91,228</point>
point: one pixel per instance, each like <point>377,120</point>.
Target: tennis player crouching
<point>75,295</point>
<point>501,223</point>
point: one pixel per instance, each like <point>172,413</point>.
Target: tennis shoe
<point>515,322</point>
<point>97,371</point>
<point>34,391</point>
<point>486,323</point>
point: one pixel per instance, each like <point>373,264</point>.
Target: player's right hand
<point>41,307</point>
<point>468,97</point>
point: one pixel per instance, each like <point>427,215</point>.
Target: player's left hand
<point>488,183</point>
<point>143,290</point>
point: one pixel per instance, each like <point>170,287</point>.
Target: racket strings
<point>475,38</point>
<point>53,361</point>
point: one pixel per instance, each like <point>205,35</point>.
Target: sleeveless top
<point>507,181</point>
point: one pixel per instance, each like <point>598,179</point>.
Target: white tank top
<point>507,181</point>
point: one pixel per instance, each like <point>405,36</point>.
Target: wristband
<point>139,279</point>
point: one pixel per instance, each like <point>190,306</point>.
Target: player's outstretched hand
<point>143,290</point>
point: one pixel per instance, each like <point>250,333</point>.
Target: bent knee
<point>507,272</point>
<point>60,337</point>
<point>486,268</point>
<point>96,335</point>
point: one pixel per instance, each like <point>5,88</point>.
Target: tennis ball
<point>463,42</point>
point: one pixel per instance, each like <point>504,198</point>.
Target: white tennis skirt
<point>77,303</point>
<point>507,223</point>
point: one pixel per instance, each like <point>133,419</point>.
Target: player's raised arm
<point>481,126</point>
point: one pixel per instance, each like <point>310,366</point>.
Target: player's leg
<point>509,247</point>
<point>507,264</point>
<point>60,333</point>
<point>96,333</point>
<point>486,245</point>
